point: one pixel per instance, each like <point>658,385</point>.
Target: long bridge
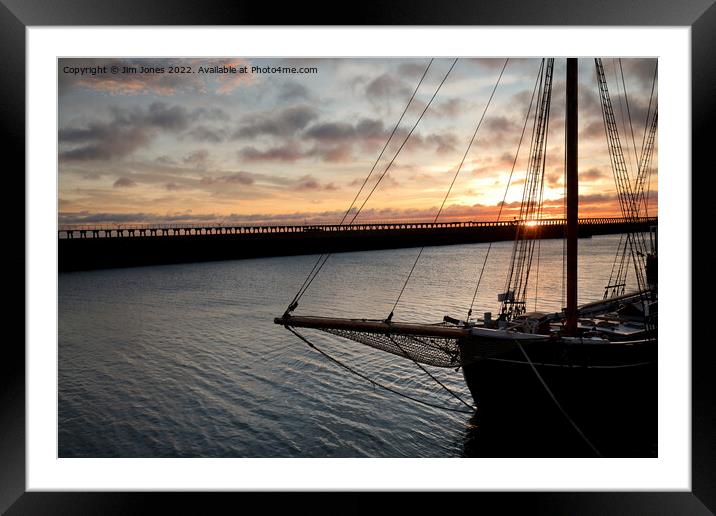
<point>82,247</point>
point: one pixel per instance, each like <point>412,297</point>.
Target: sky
<point>264,147</point>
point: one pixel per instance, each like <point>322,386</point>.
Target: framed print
<point>255,261</point>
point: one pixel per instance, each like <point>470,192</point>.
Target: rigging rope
<point>322,260</point>
<point>627,200</point>
<point>395,128</point>
<point>539,250</point>
<point>564,216</point>
<point>643,142</point>
<point>431,375</point>
<point>457,172</point>
<point>375,164</point>
<point>515,293</point>
<point>538,228</point>
<point>623,120</point>
<point>619,284</point>
<point>507,188</point>
<point>618,276</point>
<point>626,101</point>
<point>404,141</point>
<point>374,382</point>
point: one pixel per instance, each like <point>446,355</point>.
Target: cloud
<point>292,90</point>
<point>288,152</point>
<point>285,122</point>
<point>228,82</point>
<point>331,131</point>
<point>554,179</point>
<point>593,130</point>
<point>640,71</point>
<point>308,182</point>
<point>205,134</point>
<point>124,182</point>
<point>441,143</point>
<point>386,86</point>
<point>125,132</point>
<point>592,174</point>
<point>333,141</point>
<point>211,113</point>
<point>165,160</point>
<point>159,115</point>
<point>493,63</point>
<point>596,204</point>
<point>364,129</point>
<point>198,158</point>
<point>501,125</point>
<point>293,152</point>
<point>388,181</point>
<point>331,153</point>
<point>449,108</point>
<point>597,198</point>
<point>100,140</point>
<point>444,143</point>
<point>240,178</point>
<point>86,217</point>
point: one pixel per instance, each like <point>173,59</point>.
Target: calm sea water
<point>185,360</point>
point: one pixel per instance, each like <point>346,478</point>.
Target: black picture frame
<point>17,15</point>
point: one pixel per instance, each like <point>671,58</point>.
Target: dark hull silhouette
<point>609,393</point>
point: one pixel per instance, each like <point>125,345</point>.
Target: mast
<point>571,128</point>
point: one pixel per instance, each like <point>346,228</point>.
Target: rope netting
<point>433,351</point>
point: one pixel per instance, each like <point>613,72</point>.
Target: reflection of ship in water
<point>577,382</point>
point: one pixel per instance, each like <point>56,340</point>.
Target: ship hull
<point>607,393</point>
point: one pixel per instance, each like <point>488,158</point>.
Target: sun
<point>531,223</point>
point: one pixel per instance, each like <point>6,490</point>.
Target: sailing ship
<point>596,363</point>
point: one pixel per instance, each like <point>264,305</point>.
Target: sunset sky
<point>288,148</point>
